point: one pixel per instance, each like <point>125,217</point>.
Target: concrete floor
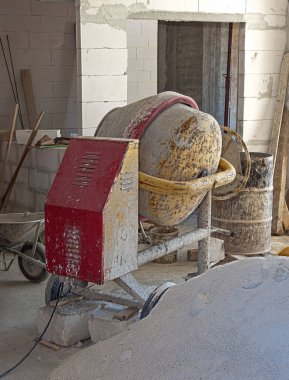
<point>19,300</point>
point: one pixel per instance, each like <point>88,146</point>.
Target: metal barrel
<point>249,214</point>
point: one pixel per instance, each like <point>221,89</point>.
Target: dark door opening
<point>193,60</point>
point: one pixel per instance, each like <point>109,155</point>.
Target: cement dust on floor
<point>20,299</point>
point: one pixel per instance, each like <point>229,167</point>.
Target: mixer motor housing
<point>91,212</point>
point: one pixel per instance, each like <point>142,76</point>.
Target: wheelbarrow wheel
<point>32,271</point>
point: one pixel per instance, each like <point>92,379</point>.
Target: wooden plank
<point>280,174</point>
<point>14,120</point>
<point>48,344</point>
<point>280,101</point>
<point>29,97</point>
<point>125,315</point>
<point>286,217</point>
<point>22,158</point>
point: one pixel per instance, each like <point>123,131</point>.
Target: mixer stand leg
<point>128,283</point>
<point>204,221</point>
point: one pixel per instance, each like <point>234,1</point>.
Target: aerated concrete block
<point>103,324</point>
<point>69,324</point>
<point>82,319</point>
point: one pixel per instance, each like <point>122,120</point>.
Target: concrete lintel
<point>188,16</point>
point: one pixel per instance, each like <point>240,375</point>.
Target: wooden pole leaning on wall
<point>279,182</point>
<point>279,107</point>
<point>29,97</point>
<point>279,148</point>
<point>28,145</point>
<point>12,130</point>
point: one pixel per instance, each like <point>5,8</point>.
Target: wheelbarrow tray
<point>17,228</point>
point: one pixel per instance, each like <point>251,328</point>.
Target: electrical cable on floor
<point>37,340</point>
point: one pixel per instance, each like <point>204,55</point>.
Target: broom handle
<point>24,154</point>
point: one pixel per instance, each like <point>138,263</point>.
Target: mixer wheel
<point>53,288</point>
<point>31,271</point>
<point>154,298</point>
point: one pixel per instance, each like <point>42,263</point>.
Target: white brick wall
<point>261,62</point>
<point>222,6</point>
<point>42,39</point>
<point>259,59</point>
<point>101,71</point>
<point>173,5</point>
<point>267,6</point>
<point>142,58</point>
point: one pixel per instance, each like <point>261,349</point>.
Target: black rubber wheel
<point>52,290</point>
<point>154,298</point>
<point>31,271</point>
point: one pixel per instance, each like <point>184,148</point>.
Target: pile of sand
<point>230,323</point>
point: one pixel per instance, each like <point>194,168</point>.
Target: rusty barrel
<point>177,142</point>
<point>249,214</point>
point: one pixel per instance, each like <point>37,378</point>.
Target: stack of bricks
<point>42,39</point>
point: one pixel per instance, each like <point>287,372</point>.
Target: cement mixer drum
<point>177,143</point>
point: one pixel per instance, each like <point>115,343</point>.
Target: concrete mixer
<point>156,159</point>
<point>178,143</point>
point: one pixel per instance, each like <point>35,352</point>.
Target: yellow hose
<point>226,173</point>
<point>284,251</point>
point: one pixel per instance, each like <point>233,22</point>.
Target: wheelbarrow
<point>19,235</point>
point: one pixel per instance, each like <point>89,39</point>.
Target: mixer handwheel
<point>232,147</point>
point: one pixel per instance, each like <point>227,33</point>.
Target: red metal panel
<point>74,206</point>
<point>74,243</point>
<point>86,174</point>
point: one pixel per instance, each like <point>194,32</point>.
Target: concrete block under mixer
<point>177,143</point>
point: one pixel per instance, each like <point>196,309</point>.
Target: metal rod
<point>11,84</point>
<point>128,283</point>
<point>159,250</point>
<point>228,78</point>
<point>4,261</point>
<point>15,83</point>
<point>36,238</point>
<point>8,71</point>
<point>110,298</point>
<point>28,258</point>
<point>145,237</point>
<point>204,222</point>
